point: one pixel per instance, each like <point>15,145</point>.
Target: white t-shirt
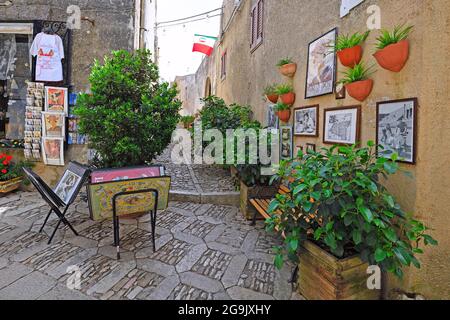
<point>49,50</point>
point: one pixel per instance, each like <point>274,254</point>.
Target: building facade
<point>256,34</point>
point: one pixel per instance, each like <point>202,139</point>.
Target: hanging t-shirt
<point>49,50</point>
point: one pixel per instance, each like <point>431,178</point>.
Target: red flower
<point>5,162</point>
<point>4,171</point>
<point>9,158</point>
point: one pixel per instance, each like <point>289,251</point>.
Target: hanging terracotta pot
<point>360,90</point>
<point>273,98</point>
<point>350,57</point>
<point>394,56</point>
<point>284,115</point>
<point>288,98</point>
<point>288,70</point>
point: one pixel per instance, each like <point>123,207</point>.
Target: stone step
<point>217,198</point>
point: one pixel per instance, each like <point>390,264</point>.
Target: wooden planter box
<point>10,185</point>
<point>324,277</point>
<point>259,192</point>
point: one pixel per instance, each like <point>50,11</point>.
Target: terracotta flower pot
<point>288,98</point>
<point>272,98</point>
<point>360,90</point>
<point>351,56</point>
<point>288,70</point>
<point>394,56</point>
<point>10,185</point>
<point>284,115</point>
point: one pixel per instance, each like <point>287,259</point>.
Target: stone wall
<point>290,25</point>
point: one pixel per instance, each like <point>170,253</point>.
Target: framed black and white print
<point>396,129</point>
<point>342,125</point>
<point>286,142</point>
<point>306,121</point>
<point>321,69</point>
<point>272,120</point>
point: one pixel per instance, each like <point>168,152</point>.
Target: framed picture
<point>306,121</point>
<point>272,120</point>
<point>286,141</point>
<point>396,129</point>
<point>53,151</point>
<point>56,99</point>
<point>53,124</point>
<point>310,147</point>
<point>100,176</point>
<point>342,125</point>
<point>341,92</point>
<point>71,182</point>
<point>321,68</point>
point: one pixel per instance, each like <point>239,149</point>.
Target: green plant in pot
<point>187,121</point>
<point>349,49</point>
<point>287,67</point>
<point>357,82</point>
<point>271,94</point>
<point>339,218</point>
<point>393,48</point>
<point>286,93</point>
<point>283,111</point>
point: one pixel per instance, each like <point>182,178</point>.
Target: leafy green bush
<point>358,73</point>
<point>346,41</point>
<point>130,115</point>
<point>338,201</point>
<point>281,107</point>
<point>284,61</point>
<point>187,120</point>
<point>398,34</point>
<point>269,90</point>
<point>284,89</point>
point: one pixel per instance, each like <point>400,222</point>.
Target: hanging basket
<point>360,90</point>
<point>284,115</point>
<point>288,70</point>
<point>272,98</point>
<point>394,56</point>
<point>350,57</point>
<point>288,98</point>
<point>10,185</point>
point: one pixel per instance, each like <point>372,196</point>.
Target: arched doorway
<point>208,89</point>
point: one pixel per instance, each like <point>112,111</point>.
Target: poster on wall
<point>53,124</point>
<point>396,129</point>
<point>342,125</point>
<point>56,99</point>
<point>272,120</point>
<point>53,151</point>
<point>306,121</point>
<point>321,70</point>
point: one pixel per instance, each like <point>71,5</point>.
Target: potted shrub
<point>271,93</point>
<point>357,81</point>
<point>339,219</point>
<point>348,48</point>
<point>11,175</point>
<point>286,93</point>
<point>187,121</point>
<point>393,48</point>
<point>287,67</point>
<point>283,111</point>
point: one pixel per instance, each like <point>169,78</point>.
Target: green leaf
<point>318,233</point>
<point>357,236</point>
<point>316,195</point>
<point>348,219</point>
<point>273,206</point>
<point>330,241</point>
<point>390,200</point>
<point>279,261</point>
<point>293,244</point>
<point>402,256</point>
<point>430,240</point>
<point>329,226</point>
<point>307,206</point>
<point>367,214</point>
<point>390,235</point>
<point>380,255</point>
<point>299,189</point>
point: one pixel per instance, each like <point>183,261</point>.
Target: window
<point>223,65</point>
<point>257,24</point>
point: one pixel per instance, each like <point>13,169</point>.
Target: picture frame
<point>272,120</point>
<point>53,124</point>
<point>310,146</point>
<point>306,121</point>
<point>397,129</point>
<point>53,151</point>
<point>342,126</point>
<point>321,66</point>
<point>286,143</point>
<point>128,173</point>
<point>341,92</point>
<point>56,99</point>
<point>71,182</point>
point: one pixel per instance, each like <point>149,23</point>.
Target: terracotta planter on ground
<point>284,115</point>
<point>322,276</point>
<point>273,98</point>
<point>288,98</point>
<point>350,57</point>
<point>360,90</point>
<point>288,70</point>
<point>394,56</point>
<point>10,185</point>
<point>259,192</point>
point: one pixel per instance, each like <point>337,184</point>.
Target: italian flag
<point>204,44</point>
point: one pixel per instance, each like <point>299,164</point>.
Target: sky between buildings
<point>176,56</point>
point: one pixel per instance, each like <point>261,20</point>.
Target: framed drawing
<point>53,124</point>
<point>321,67</point>
<point>53,151</point>
<point>306,121</point>
<point>396,129</point>
<point>342,125</point>
<point>71,182</point>
<point>56,99</point>
<point>101,196</point>
<point>286,141</point>
<point>107,175</point>
<point>272,120</point>
<point>341,92</point>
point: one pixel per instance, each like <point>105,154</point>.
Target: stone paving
<point>203,252</point>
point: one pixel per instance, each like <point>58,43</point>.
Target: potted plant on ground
<point>287,67</point>
<point>11,175</point>
<point>357,81</point>
<point>348,48</point>
<point>283,111</point>
<point>271,93</point>
<point>286,93</point>
<point>339,218</point>
<point>187,121</point>
<point>393,48</point>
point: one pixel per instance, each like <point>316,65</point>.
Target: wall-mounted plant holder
<point>288,70</point>
<point>351,56</point>
<point>288,98</point>
<point>360,90</point>
<point>394,56</point>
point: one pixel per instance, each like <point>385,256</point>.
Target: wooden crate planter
<point>247,193</point>
<point>10,185</point>
<point>324,277</point>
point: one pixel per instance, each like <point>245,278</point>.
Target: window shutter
<point>260,20</point>
<point>257,15</point>
<point>254,26</point>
